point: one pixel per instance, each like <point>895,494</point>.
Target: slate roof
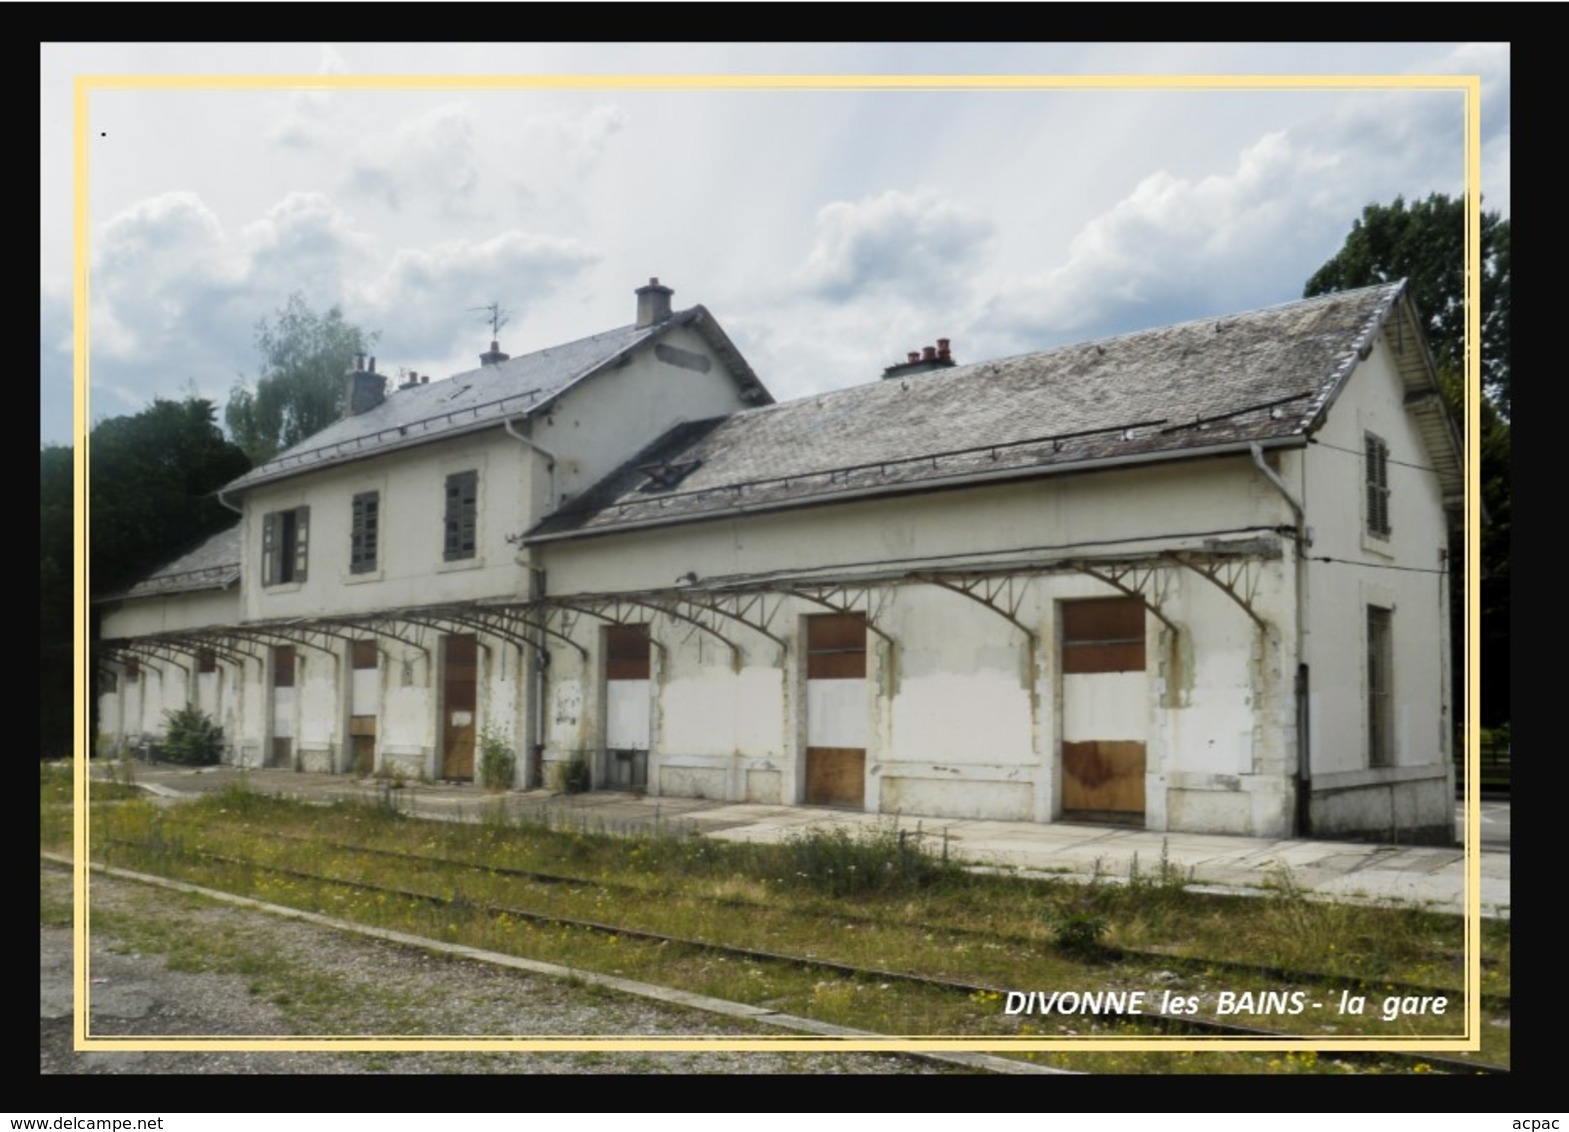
<point>214,565</point>
<point>484,397</point>
<point>1266,376</point>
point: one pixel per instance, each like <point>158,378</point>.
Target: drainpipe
<point>534,774</point>
<point>230,506</point>
<point>550,456</point>
<point>1304,822</point>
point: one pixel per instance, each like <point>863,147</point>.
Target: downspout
<point>230,506</point>
<point>1304,822</point>
<point>550,467</point>
<point>534,773</point>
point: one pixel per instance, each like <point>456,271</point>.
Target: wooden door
<point>283,666</point>
<point>364,691</point>
<point>627,653</point>
<point>1105,709</point>
<point>836,710</point>
<point>459,705</point>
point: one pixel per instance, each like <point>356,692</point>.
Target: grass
<point>877,900</point>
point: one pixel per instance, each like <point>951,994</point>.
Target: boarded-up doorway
<point>836,710</point>
<point>459,704</point>
<point>627,650</point>
<point>362,707</point>
<point>1105,709</point>
<point>283,665</point>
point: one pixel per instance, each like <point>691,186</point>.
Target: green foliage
<point>1425,243</point>
<point>1079,932</point>
<point>573,776</point>
<point>305,354</point>
<point>192,738</point>
<point>152,484</point>
<point>56,600</point>
<point>838,862</point>
<point>498,763</point>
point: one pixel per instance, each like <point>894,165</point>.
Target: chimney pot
<point>913,356</point>
<point>929,354</point>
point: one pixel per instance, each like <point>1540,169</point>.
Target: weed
<point>1080,933</point>
<point>498,763</point>
<point>572,776</point>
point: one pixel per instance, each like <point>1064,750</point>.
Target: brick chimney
<point>653,303</point>
<point>363,387</point>
<point>923,360</point>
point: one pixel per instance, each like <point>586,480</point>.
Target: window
<point>133,670</point>
<point>1380,687</point>
<point>462,514</point>
<point>285,546</point>
<point>1376,472</point>
<point>363,532</point>
<point>206,661</point>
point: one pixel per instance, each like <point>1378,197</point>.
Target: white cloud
<point>304,122</point>
<point>423,299</point>
<point>304,243</point>
<point>1194,245</point>
<point>430,157</point>
<point>908,243</point>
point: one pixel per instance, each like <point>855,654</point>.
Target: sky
<point>829,232</point>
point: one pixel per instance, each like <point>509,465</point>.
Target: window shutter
<point>269,542</point>
<point>363,535</point>
<point>462,516</point>
<point>302,524</point>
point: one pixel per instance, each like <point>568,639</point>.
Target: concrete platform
<point>1335,870</point>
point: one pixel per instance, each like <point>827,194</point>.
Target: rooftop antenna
<point>497,319</point>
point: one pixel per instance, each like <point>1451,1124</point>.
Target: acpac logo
<point>1527,1125</point>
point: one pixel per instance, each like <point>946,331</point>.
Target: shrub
<point>192,738</point>
<point>573,776</point>
<point>1080,933</point>
<point>498,763</point>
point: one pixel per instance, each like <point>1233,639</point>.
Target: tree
<point>152,488</point>
<point>152,479</point>
<point>56,597</point>
<point>1425,244</point>
<point>300,391</point>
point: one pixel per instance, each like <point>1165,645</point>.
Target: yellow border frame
<point>1469,85</point>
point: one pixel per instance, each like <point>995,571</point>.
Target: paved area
<point>1351,871</point>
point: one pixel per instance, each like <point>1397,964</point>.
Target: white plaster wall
<point>1339,594</point>
<point>1194,498</point>
<point>836,713</point>
<point>365,696</point>
<point>967,718</point>
<point>596,426</point>
<point>627,715</point>
<point>411,568</point>
<point>170,613</point>
<point>1105,705</point>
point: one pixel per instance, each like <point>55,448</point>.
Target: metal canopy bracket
<point>1141,580</point>
<point>1003,594</point>
<point>1236,577</point>
<point>843,598</point>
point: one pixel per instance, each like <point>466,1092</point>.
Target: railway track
<point>1126,1024</point>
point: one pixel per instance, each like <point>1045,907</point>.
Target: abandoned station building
<point>1191,578</point>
